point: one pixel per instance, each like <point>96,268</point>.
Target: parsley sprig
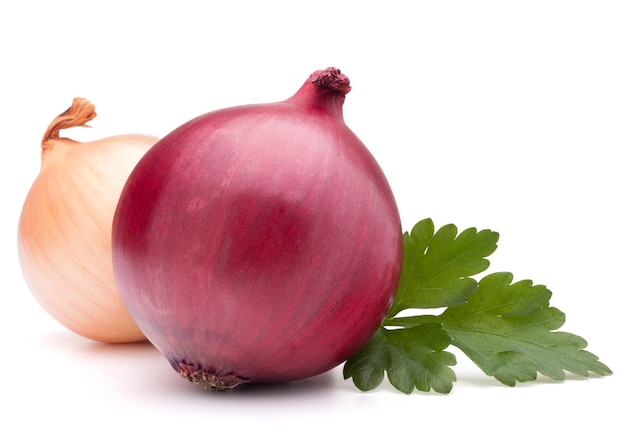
<point>508,329</point>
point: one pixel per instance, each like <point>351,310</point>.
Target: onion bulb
<point>260,243</point>
<point>64,232</point>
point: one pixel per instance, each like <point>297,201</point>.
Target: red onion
<point>259,243</point>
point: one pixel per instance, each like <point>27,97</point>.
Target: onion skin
<point>259,243</point>
<point>64,232</point>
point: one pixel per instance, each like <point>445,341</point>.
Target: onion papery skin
<point>259,243</point>
<point>64,231</point>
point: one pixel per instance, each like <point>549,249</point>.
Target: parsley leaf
<point>413,358</point>
<point>436,266</point>
<point>507,329</point>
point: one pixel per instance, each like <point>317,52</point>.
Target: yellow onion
<point>64,233</point>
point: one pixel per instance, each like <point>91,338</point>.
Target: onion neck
<point>325,89</point>
<point>80,112</point>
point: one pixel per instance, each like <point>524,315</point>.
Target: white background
<point>495,114</point>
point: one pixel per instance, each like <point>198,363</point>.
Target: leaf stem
<point>410,321</point>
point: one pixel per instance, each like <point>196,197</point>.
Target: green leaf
<point>436,266</point>
<point>414,358</point>
<point>507,329</point>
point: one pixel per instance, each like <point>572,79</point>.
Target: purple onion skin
<point>259,243</point>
